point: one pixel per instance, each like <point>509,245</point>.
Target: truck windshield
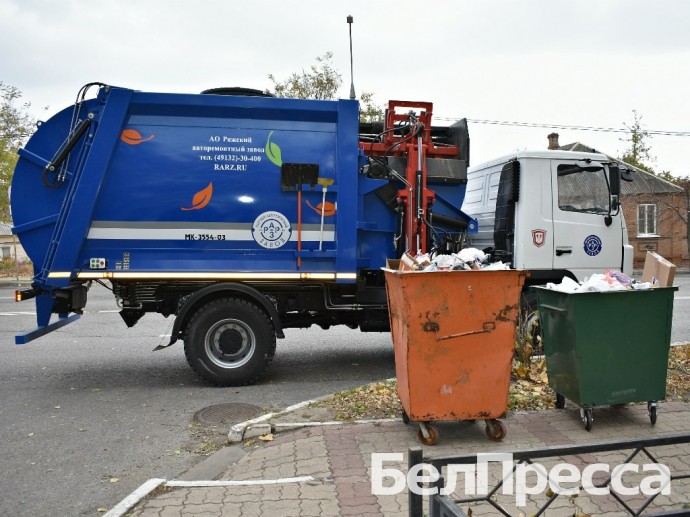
<point>582,190</point>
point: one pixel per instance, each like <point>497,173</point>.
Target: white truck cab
<point>554,213</point>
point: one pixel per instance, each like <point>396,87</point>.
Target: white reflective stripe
<point>173,234</point>
<point>59,274</point>
<point>90,275</point>
<point>181,234</point>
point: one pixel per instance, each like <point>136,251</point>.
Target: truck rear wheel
<point>230,342</point>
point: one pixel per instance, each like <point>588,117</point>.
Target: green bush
<point>8,268</point>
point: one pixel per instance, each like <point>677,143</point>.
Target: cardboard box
<point>408,263</point>
<point>392,264</point>
<point>658,270</point>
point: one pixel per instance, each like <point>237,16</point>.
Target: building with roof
<point>9,244</point>
<point>655,211</point>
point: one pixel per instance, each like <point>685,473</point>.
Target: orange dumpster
<point>453,335</point>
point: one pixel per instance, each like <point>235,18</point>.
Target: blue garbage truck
<point>238,213</point>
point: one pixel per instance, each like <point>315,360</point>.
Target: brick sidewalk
<point>338,461</point>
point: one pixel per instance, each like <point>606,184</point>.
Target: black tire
<point>229,342</point>
<point>431,431</point>
<point>651,410</point>
<point>495,430</point>
<point>237,90</point>
<point>587,418</point>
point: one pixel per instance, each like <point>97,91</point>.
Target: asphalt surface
<point>89,412</point>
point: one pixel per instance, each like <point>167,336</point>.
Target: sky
<point>547,62</point>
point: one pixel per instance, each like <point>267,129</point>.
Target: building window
<point>646,220</point>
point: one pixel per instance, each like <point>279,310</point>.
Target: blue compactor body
<point>240,214</point>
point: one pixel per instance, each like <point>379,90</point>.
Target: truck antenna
<point>350,19</point>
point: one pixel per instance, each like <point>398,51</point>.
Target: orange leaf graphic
<point>201,198</point>
<point>133,137</point>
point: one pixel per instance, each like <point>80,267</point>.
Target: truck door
<point>583,243</point>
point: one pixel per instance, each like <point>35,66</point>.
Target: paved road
<point>681,310</point>
<point>91,403</point>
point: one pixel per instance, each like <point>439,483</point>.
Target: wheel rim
<point>230,343</point>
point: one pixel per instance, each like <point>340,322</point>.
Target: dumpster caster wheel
<point>427,434</point>
<point>587,419</point>
<point>651,410</point>
<point>405,417</point>
<point>495,430</point>
<point>560,401</point>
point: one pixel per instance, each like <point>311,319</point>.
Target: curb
<point>120,509</point>
<point>257,425</point>
<point>261,425</point>
<point>248,429</point>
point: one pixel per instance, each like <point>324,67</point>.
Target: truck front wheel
<point>229,342</point>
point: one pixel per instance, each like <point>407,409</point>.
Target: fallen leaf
<point>101,509</point>
<point>114,480</point>
<point>266,438</point>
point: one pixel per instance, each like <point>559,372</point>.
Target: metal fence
<point>445,506</point>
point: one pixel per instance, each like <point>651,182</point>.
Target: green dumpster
<point>606,348</point>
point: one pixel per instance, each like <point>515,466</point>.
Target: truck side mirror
<point>615,185</point>
<point>615,179</point>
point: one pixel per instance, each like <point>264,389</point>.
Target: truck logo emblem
<point>592,245</point>
<point>271,230</point>
<point>538,238</point>
<point>133,137</point>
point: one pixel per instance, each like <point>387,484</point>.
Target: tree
<point>16,125</point>
<point>639,155</point>
<point>638,152</point>
<point>322,82</point>
<point>368,111</point>
<point>679,210</point>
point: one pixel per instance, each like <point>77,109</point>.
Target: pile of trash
<point>609,281</point>
<point>472,259</point>
<point>468,259</point>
